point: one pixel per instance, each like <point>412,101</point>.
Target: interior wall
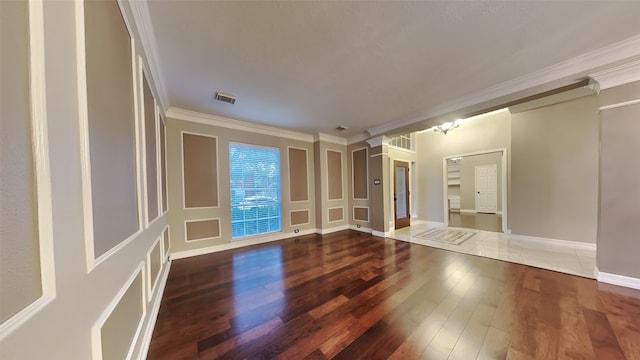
<point>554,171</point>
<point>359,204</point>
<point>618,244</point>
<point>487,132</point>
<point>84,298</point>
<point>180,215</point>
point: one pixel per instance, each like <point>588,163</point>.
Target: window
<point>255,190</point>
<point>402,141</point>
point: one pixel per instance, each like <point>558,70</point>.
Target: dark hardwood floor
<point>349,295</point>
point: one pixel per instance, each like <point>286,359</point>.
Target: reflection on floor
<point>487,222</point>
<point>502,247</point>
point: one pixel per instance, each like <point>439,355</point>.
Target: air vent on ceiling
<point>342,128</point>
<point>225,98</point>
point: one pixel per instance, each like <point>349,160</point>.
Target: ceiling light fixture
<point>448,126</point>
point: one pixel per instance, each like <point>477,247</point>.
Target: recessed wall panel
<point>298,177</point>
<point>360,183</point>
<point>300,217</point>
<point>21,283</point>
<point>202,229</point>
<point>111,125</point>
<point>150,146</point>
<point>200,163</point>
<point>334,174</point>
<point>155,265</point>
<point>163,164</point>
<point>336,214</point>
<point>166,241</point>
<point>361,213</point>
<point>120,327</point>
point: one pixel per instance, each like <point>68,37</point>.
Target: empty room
<point>319,180</point>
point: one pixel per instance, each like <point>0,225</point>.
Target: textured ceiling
<point>311,66</point>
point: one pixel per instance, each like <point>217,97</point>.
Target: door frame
<point>404,221</point>
<point>503,176</point>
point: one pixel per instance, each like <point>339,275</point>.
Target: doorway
<point>402,212</point>
<point>475,190</point>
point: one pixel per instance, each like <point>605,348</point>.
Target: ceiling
<point>312,66</point>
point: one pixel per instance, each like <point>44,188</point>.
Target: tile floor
<point>502,247</point>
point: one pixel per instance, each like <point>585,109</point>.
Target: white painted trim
<point>620,280</point>
<point>341,173</point>
<point>152,283</point>
<point>356,138</point>
<point>235,244</point>
<point>335,207</point>
<point>553,242</point>
<point>96,340</point>
<point>583,63</point>
<point>330,138</point>
<point>184,198</point>
<point>333,229</point>
<point>40,146</point>
<point>596,272</point>
<point>307,170</point>
<point>376,155</point>
<point>353,189</point>
<point>85,157</point>
<point>363,229</point>
<point>187,115</point>
<point>353,212</point>
<point>619,75</point>
<point>142,21</point>
<point>384,234</point>
<point>498,212</point>
<point>378,141</point>
<point>468,211</point>
<point>202,239</point>
<point>619,105</point>
<point>299,210</point>
<point>153,313</point>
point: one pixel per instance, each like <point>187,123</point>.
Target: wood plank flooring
<point>349,295</point>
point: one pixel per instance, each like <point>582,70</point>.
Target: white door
<point>487,189</point>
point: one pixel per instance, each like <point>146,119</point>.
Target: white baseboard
<point>467,211</point>
<point>361,229</point>
<point>239,243</point>
<point>620,280</point>
<point>153,314</point>
<point>380,233</point>
<point>435,223</point>
<point>332,230</point>
<point>554,242</point>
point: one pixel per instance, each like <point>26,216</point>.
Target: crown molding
<point>142,21</point>
<point>580,64</point>
<point>330,138</point>
<point>378,141</point>
<point>357,138</point>
<point>193,116</point>
<point>617,76</point>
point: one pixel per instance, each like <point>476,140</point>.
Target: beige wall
<point>554,171</point>
<point>20,282</point>
<point>489,132</point>
<point>618,245</point>
<point>61,326</point>
<point>179,215</point>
